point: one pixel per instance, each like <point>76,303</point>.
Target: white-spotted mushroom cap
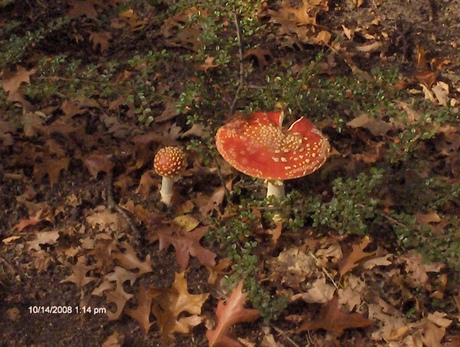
<point>169,161</point>
<point>260,147</point>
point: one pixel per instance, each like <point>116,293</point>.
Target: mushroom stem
<point>275,188</point>
<point>166,191</point>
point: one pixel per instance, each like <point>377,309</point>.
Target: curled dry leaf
<point>291,267</point>
<point>228,314</point>
<point>320,292</point>
<point>170,305</point>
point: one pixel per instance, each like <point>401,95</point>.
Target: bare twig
<point>241,75</point>
<point>113,206</point>
<point>285,336</point>
<point>328,275</point>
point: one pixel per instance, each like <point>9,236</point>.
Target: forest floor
<point>89,256</point>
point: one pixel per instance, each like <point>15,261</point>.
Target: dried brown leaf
<point>416,269</point>
<point>142,312</point>
<point>291,267</point>
<point>52,167</point>
<point>320,292</point>
<point>217,270</point>
<point>78,276</point>
<point>129,260</point>
<point>24,223</point>
<point>377,127</point>
<point>100,40</point>
<point>168,113</point>
<point>44,237</point>
<point>357,254</point>
<point>186,244</point>
<point>330,318</point>
<point>97,162</point>
<point>12,80</point>
<point>262,56</point>
<point>228,314</point>
<point>208,64</point>
<point>119,297</point>
<point>169,306</point>
<point>82,8</point>
<point>114,340</point>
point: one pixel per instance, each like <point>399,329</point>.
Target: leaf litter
<point>111,266</point>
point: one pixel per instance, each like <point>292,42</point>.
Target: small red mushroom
<point>260,147</point>
<point>168,163</point>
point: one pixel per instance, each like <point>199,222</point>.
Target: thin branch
<point>328,275</point>
<point>284,335</point>
<point>113,206</point>
<point>241,75</point>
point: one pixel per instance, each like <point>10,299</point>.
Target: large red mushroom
<point>260,147</point>
<point>168,163</point>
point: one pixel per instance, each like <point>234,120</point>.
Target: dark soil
<point>31,280</point>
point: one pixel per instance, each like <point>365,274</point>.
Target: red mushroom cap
<point>260,147</point>
<point>169,161</point>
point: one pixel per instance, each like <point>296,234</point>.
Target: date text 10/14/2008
<point>66,310</point>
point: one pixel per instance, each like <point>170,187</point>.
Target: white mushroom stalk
<point>166,191</point>
<point>275,188</point>
<point>169,163</point>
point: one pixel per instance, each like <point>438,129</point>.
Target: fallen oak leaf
<point>229,314</point>
<point>78,276</point>
<point>97,162</point>
<point>119,297</point>
<point>130,261</point>
<point>100,40</point>
<point>357,254</point>
<point>186,244</point>
<point>330,318</point>
<point>24,223</point>
<point>441,92</point>
<point>379,261</point>
<point>320,292</point>
<point>169,304</point>
<point>120,275</point>
<point>186,222</point>
<point>83,8</point>
<point>52,167</point>
<point>142,312</point>
<point>262,57</point>
<point>10,239</point>
<point>377,127</point>
<point>217,270</point>
<point>44,237</point>
<point>208,64</point>
<point>12,81</point>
